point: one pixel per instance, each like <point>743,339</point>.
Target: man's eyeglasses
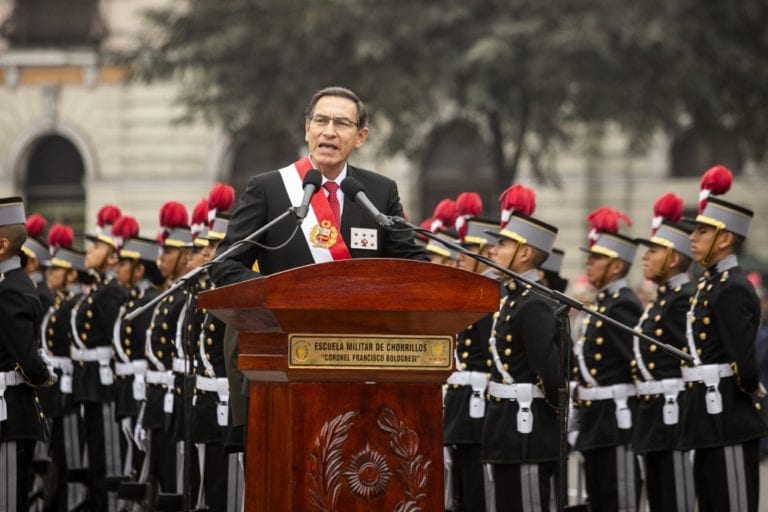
<point>341,123</point>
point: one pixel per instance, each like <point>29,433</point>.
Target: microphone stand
<point>564,304</point>
<point>193,274</point>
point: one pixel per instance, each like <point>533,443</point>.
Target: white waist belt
<point>467,378</point>
<point>101,354</point>
<point>8,379</point>
<point>699,373</point>
<point>615,392</point>
<point>138,366</point>
<point>514,391</point>
<point>180,365</point>
<point>163,378</point>
<point>524,393</point>
<point>220,385</point>
<point>123,369</point>
<point>659,387</point>
<point>63,363</point>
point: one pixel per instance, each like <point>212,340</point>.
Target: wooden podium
<point>346,361</point>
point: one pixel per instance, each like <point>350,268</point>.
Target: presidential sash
<point>321,231</point>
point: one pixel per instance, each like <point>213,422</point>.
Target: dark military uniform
<point>162,394</point>
<point>64,417</point>
<point>130,370</point>
<point>520,433</point>
<point>220,470</point>
<point>725,315</point>
<point>22,421</point>
<point>92,386</point>
<point>463,413</point>
<point>668,472</point>
<point>606,399</point>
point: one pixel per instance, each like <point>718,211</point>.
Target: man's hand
<point>52,377</point>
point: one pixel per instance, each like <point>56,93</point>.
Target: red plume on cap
<point>173,214</point>
<point>444,215</point>
<point>717,180</point>
<point>468,205</point>
<point>220,199</point>
<point>123,228</point>
<point>200,217</point>
<point>668,207</point>
<point>517,198</point>
<point>605,220</point>
<point>107,215</point>
<point>35,225</point>
<point>60,236</point>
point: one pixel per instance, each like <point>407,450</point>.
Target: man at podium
<point>335,227</point>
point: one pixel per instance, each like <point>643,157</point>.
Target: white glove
<point>52,377</point>
<point>140,437</point>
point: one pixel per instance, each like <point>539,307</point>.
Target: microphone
<point>355,191</point>
<point>311,185</point>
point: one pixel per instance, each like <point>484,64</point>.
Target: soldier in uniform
<point>720,419</point>
<point>219,470</point>
<point>519,438</point>
<point>66,448</point>
<point>464,401</point>
<point>93,318</point>
<point>605,392</point>
<point>668,472</point>
<point>23,365</point>
<point>137,271</point>
<point>153,429</point>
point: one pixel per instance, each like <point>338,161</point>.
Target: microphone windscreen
<point>313,177</point>
<point>351,187</point>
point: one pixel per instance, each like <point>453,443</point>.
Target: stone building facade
<point>76,133</point>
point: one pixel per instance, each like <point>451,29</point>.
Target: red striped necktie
<point>333,201</point>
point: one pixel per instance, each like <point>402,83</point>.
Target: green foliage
<point>525,71</point>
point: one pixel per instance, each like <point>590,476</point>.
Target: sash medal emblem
<point>324,234</point>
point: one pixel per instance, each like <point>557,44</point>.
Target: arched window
<point>457,160</point>
<point>53,181</point>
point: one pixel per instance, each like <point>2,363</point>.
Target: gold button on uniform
<point>599,340</point>
<point>652,347</point>
<point>507,351</point>
<point>706,320</point>
<point>702,336</point>
<point>598,356</point>
<point>659,332</point>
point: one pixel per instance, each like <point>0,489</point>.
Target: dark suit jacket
<point>266,198</point>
